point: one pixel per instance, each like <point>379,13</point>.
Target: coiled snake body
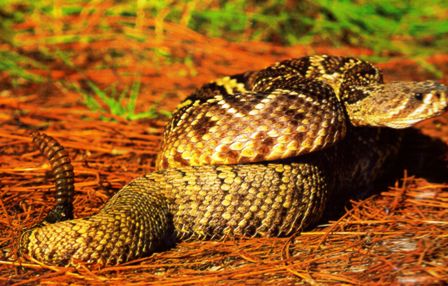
<point>254,154</point>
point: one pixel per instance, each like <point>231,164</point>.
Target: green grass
<point>121,104</point>
<point>410,28</point>
<point>16,65</point>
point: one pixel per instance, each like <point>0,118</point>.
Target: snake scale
<point>253,154</point>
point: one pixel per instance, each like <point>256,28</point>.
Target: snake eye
<point>418,96</point>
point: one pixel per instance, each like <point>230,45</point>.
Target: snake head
<point>397,104</point>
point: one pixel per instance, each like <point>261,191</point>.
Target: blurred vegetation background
<point>408,27</point>
<point>35,34</point>
<point>412,27</point>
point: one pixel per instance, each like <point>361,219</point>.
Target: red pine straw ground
<point>397,236</point>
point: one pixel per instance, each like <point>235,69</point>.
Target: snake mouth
<point>405,123</point>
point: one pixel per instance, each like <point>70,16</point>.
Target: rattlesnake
<point>255,154</point>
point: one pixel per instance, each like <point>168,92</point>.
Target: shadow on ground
<point>420,156</point>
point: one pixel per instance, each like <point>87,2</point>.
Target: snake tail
<point>62,172</point>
